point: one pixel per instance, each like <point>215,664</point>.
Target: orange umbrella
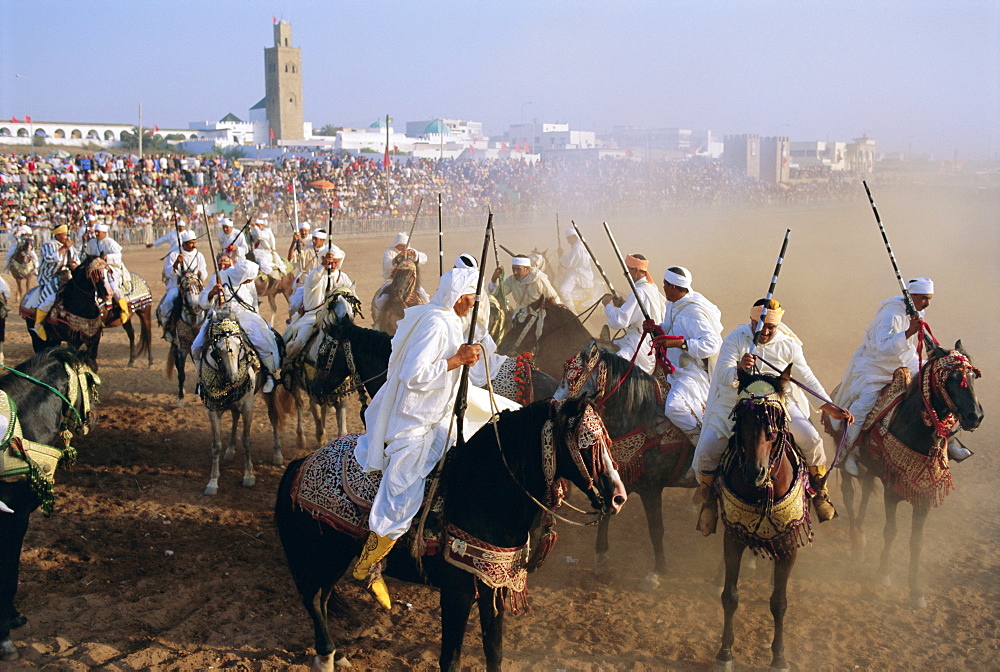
<point>322,184</point>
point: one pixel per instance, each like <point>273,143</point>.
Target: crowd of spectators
<point>140,198</point>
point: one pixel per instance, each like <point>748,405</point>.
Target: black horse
<point>946,385</point>
<point>628,404</point>
<point>488,489</point>
<point>361,361</point>
<point>77,317</point>
<point>42,416</point>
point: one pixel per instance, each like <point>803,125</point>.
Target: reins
<point>48,387</point>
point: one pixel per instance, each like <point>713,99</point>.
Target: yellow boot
<point>40,317</point>
<point>821,499</point>
<point>708,517</point>
<point>126,313</point>
<point>376,548</point>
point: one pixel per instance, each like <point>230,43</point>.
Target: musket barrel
<point>770,290</point>
<point>910,308</point>
<point>628,276</point>
<point>594,259</point>
<point>463,384</point>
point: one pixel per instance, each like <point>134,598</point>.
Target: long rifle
<point>558,236</point>
<point>414,225</point>
<point>211,250</point>
<point>910,308</point>
<point>440,240</point>
<point>461,398</point>
<point>594,259</point>
<point>770,291</point>
<point>329,248</point>
<point>628,276</point>
<point>507,250</point>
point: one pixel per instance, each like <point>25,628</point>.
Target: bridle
<point>932,380</point>
<point>764,403</point>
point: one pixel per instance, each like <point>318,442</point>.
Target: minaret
<point>283,85</point>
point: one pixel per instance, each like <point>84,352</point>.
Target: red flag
<point>15,120</point>
<point>385,159</point>
<point>395,149</point>
<point>27,119</point>
<point>472,148</point>
<point>271,132</point>
<point>274,19</point>
<point>156,129</point>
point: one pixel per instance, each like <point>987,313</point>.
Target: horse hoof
<point>278,460</point>
<point>885,580</point>
<point>650,583</point>
<point>601,565</point>
<point>211,490</point>
<point>779,667</point>
<point>179,402</point>
<point>18,620</point>
<point>918,602</point>
<point>229,454</point>
<point>8,651</point>
<point>249,481</point>
<point>323,663</point>
<point>131,365</point>
<point>723,665</point>
<point>340,660</point>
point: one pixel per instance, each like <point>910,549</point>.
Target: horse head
<point>405,278</point>
<point>761,429</point>
<point>624,395</point>
<point>227,348</point>
<point>190,286</point>
<point>952,377</point>
<point>583,454</point>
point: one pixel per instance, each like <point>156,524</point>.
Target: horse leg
<point>857,535</point>
<point>457,594</point>
<point>888,536</point>
<point>130,332</point>
<point>491,624</point>
<point>215,420</point>
<point>231,444</point>
<point>180,360</point>
<point>602,562</point>
<point>733,553</point>
<point>917,599</point>
<point>274,417</point>
<point>779,603</point>
<point>300,435</point>
<point>13,527</point>
<point>249,479</point>
<point>341,407</point>
<point>319,419</point>
<point>652,503</point>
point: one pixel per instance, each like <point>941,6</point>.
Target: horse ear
<point>786,375</point>
<point>958,346</point>
<point>742,378</point>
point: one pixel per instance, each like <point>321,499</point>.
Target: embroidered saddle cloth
<point>332,487</point>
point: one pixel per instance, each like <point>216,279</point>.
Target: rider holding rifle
<point>627,314</point>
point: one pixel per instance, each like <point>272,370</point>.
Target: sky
<point>921,77</point>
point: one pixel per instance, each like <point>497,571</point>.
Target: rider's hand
<point>148,245</point>
<point>914,326</point>
<point>496,274</point>
<point>467,355</point>
<point>837,412</point>
<point>747,362</point>
<point>669,341</point>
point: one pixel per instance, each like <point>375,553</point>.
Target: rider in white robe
<point>525,285</point>
<point>234,282</point>
<point>693,335</point>
<point>101,245</point>
<point>321,281</point>
<point>177,263</point>
<point>779,345</point>
<point>399,245</point>
<point>307,258</point>
<point>577,285</point>
<point>409,419</point>
<point>56,255</point>
<point>170,237</point>
<point>232,242</point>
<point>628,315</point>
<point>265,250</point>
<point>17,234</point>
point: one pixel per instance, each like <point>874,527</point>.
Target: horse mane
<point>39,409</point>
<point>634,404</point>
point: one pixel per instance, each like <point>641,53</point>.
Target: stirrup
<point>825,510</point>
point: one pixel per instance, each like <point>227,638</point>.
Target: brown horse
<point>24,265</point>
<point>270,288</point>
<point>402,291</point>
<point>907,435</point>
<point>550,331</point>
<point>761,484</point>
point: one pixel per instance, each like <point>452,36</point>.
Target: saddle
<point>136,292</point>
<point>922,480</point>
<point>79,328</point>
<point>334,489</point>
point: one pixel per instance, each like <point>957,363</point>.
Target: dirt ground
<point>139,570</point>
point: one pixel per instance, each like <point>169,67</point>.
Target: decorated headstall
<point>933,378</point>
<point>583,432</point>
<point>578,369</point>
<point>765,404</point>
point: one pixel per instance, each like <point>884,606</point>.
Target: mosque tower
<point>283,85</point>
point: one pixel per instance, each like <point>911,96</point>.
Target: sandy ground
<point>138,570</point>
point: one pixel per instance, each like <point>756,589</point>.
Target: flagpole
<point>140,129</point>
<point>387,196</point>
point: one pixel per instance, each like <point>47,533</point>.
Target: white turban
<point>920,286</point>
<point>466,261</point>
<point>101,227</point>
<point>185,236</point>
<point>336,252</point>
<point>226,221</point>
<point>319,233</point>
<point>571,232</point>
<point>454,284</point>
<point>180,223</point>
<point>682,279</point>
<point>23,230</point>
<point>520,261</point>
<point>401,239</point>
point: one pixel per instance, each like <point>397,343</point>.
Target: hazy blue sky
<point>912,74</point>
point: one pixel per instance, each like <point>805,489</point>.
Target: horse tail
<point>145,332</point>
<point>276,410</point>
<point>284,402</point>
<point>170,362</point>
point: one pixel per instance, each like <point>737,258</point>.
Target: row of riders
<point>699,378</point>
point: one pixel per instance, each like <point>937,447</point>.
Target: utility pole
<point>139,129</point>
